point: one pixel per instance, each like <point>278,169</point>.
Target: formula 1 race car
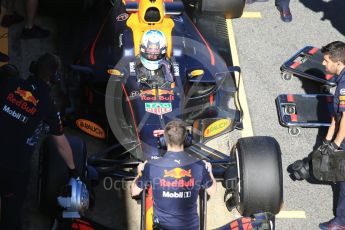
<point>108,97</point>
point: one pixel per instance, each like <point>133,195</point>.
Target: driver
<point>152,63</point>
<point>176,180</point>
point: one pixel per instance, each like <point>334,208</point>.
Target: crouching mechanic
<point>176,179</point>
<point>25,106</point>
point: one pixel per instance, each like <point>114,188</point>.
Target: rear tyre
<point>54,172</point>
<point>260,184</point>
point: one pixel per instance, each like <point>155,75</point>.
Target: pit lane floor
<point>263,45</point>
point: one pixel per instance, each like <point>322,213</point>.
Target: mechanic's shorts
<point>13,187</point>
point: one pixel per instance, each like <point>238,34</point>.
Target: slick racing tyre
<point>260,179</point>
<point>53,172</point>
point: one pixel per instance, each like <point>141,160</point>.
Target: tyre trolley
<point>304,110</point>
<point>307,63</point>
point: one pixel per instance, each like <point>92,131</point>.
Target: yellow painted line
<point>248,14</point>
<point>247,123</point>
<point>3,37</point>
<point>291,214</point>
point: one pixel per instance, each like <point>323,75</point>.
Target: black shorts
<point>13,187</point>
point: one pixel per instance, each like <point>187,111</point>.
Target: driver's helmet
<point>153,49</point>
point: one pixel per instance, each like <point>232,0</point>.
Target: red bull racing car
<point>114,94</point>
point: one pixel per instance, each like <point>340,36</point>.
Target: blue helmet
<point>153,49</point>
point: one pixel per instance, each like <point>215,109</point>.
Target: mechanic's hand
<point>324,145</point>
<point>208,166</point>
<point>74,173</point>
<point>140,167</point>
<point>329,149</point>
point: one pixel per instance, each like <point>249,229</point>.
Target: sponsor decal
<point>15,114</point>
<point>217,127</point>
<point>114,72</point>
<point>342,98</point>
<point>132,67</point>
<point>178,173</point>
<point>27,96</point>
<point>178,19</point>
<point>181,183</point>
<point>176,68</point>
<point>122,17</point>
<point>90,128</point>
<point>158,108</point>
<point>134,94</point>
<point>167,194</point>
<point>151,95</point>
<point>22,104</point>
<point>342,91</point>
<point>158,132</point>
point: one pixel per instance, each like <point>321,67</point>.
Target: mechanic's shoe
<point>285,14</point>
<point>3,57</point>
<point>11,19</point>
<point>34,32</point>
<point>331,225</point>
<point>252,1</point>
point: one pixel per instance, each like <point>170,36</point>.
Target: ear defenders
<point>187,141</point>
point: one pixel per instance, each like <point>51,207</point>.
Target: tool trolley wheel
<point>260,178</point>
<point>53,172</point>
<point>294,131</point>
<point>290,109</point>
<point>325,89</point>
<point>286,76</point>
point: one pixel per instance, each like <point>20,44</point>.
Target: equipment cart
<point>307,63</point>
<point>304,110</point>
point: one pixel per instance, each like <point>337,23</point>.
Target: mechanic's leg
<point>284,9</point>
<point>340,219</point>
<point>12,199</point>
<point>31,8</point>
<point>31,30</point>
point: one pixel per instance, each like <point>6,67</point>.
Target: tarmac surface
<point>263,44</point>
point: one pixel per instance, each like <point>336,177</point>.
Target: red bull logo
<point>178,173</point>
<point>21,103</point>
<point>26,96</point>
<point>153,92</point>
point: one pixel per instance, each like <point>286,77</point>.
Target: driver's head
<point>153,49</point>
<point>175,133</point>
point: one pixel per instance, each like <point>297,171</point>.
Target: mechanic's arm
<point>341,132</point>
<point>213,188</point>
<point>64,149</point>
<point>331,130</point>
<point>135,189</point>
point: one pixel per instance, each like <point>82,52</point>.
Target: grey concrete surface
<point>263,45</point>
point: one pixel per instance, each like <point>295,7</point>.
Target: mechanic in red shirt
<point>25,107</point>
<point>176,180</point>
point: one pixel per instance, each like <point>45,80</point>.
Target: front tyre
<point>260,184</point>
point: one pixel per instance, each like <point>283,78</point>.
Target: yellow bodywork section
<point>139,25</point>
